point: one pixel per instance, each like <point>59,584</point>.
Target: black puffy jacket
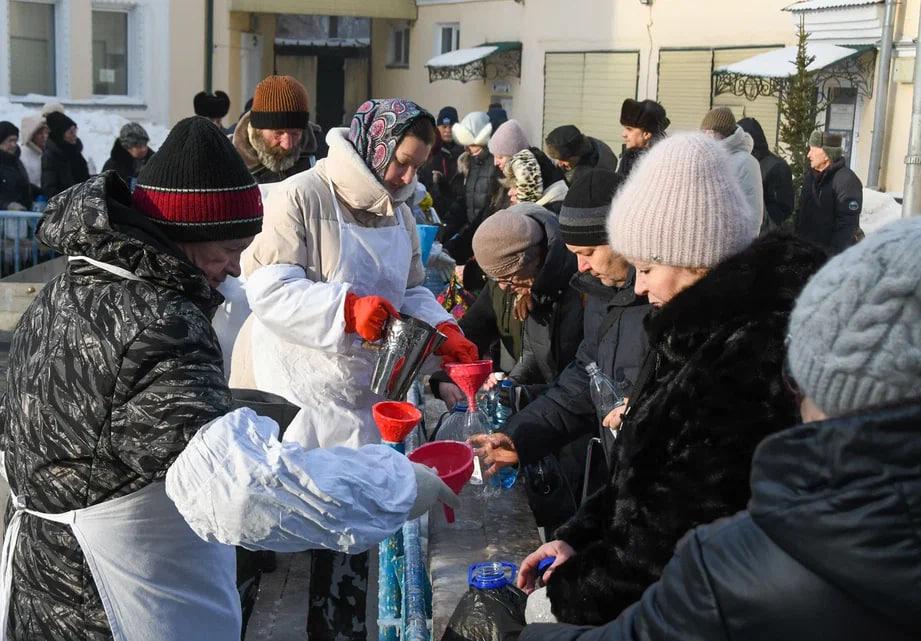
<point>108,381</point>
<point>127,166</point>
<point>63,166</point>
<point>828,549</point>
<point>14,182</point>
<point>710,391</point>
<point>480,197</point>
<point>829,207</point>
<point>776,177</point>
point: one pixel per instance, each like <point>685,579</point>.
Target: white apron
<point>332,388</point>
<point>158,581</point>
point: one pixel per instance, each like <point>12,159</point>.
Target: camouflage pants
<point>338,596</point>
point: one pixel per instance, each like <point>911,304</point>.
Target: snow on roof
<point>813,5</point>
<point>460,57</point>
<point>781,63</point>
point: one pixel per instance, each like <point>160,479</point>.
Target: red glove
<point>366,315</point>
<point>456,349</point>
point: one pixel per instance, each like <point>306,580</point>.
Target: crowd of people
<point>765,384</point>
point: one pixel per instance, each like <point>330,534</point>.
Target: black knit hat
<point>447,116</point>
<point>197,188</point>
<point>58,124</point>
<point>214,105</point>
<point>647,115</point>
<point>7,129</point>
<point>567,142</point>
<point>584,213</point>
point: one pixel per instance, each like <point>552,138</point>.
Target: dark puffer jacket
<point>127,166</point>
<point>63,166</point>
<point>553,328</point>
<point>108,381</point>
<point>553,433</point>
<point>776,177</point>
<point>829,207</point>
<point>710,391</point>
<point>828,549</point>
<point>480,197</point>
<point>601,156</point>
<point>14,182</point>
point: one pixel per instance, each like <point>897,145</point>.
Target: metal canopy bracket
<point>855,71</point>
<point>505,62</point>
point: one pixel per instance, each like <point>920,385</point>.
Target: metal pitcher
<point>406,343</point>
<point>265,404</point>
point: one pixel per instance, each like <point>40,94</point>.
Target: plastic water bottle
<point>494,575</point>
<point>506,477</point>
<point>605,394</point>
<point>459,425</point>
<point>38,205</point>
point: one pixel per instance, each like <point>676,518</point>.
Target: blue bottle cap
<point>491,575</point>
<point>460,407</point>
<point>545,563</point>
<point>507,383</point>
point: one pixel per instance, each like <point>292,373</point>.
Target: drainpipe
<point>882,96</point>
<point>911,195</point>
<point>209,43</point>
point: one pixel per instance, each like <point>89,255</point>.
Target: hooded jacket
<point>776,177</point>
<point>31,155</point>
<point>709,392</point>
<point>827,549</point>
<point>305,160</point>
<point>747,172</point>
<point>829,207</point>
<point>124,164</point>
<point>600,156</point>
<point>63,166</point>
<point>14,182</point>
<point>109,379</point>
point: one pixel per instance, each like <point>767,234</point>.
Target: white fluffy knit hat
<point>474,129</point>
<point>681,206</point>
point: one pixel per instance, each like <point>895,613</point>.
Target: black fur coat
<point>713,392</point>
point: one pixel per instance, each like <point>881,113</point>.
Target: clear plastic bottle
<point>504,392</point>
<point>606,396</point>
<point>459,425</point>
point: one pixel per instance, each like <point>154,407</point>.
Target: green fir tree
<point>798,105</point>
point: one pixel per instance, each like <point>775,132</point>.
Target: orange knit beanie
<point>280,102</point>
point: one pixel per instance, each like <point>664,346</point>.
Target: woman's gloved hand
<point>430,491</point>
<point>457,349</point>
<point>366,315</point>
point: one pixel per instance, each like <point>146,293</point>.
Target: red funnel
<point>453,462</point>
<point>395,419</point>
<point>470,378</point>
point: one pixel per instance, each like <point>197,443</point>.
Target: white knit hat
<point>474,129</point>
<point>681,206</point>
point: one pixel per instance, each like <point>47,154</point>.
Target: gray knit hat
<point>681,206</point>
<point>855,333</point>
<point>133,135</point>
<point>502,241</point>
<point>508,139</point>
<point>830,144</point>
<point>721,120</point>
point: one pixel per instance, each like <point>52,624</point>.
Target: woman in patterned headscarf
<point>337,256</point>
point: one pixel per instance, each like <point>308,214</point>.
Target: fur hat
<point>830,144</point>
<point>647,115</point>
<point>196,187</point>
<point>523,169</point>
<point>474,129</point>
<point>52,107</point>
<point>214,105</point>
<point>720,120</point>
<point>133,135</point>
<point>280,102</point>
<point>586,206</point>
<point>855,333</point>
<point>502,241</point>
<point>508,139</point>
<point>567,142</point>
<point>681,206</point>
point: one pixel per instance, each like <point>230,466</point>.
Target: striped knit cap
<point>584,213</point>
<point>279,102</point>
<point>197,188</point>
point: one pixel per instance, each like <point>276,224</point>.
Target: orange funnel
<point>470,378</point>
<point>395,419</point>
<point>453,462</point>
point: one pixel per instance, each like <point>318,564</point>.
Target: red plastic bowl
<point>453,462</point>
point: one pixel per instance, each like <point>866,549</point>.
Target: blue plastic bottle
<point>507,476</point>
<point>492,575</point>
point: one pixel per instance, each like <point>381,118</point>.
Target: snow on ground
<point>97,128</point>
<point>879,209</point>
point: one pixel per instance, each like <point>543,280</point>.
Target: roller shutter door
<point>684,87</point>
<point>587,89</point>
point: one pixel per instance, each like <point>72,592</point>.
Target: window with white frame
<point>32,51</point>
<point>447,37</point>
<point>110,53</point>
<point>398,55</point>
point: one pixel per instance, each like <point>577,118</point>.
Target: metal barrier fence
<point>18,246</point>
